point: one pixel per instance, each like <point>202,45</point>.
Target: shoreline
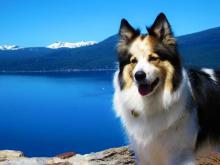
<point>59,71</point>
<point>120,156</point>
<point>112,156</point>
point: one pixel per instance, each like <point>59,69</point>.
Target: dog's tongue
<point>144,89</point>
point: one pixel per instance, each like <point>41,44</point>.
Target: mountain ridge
<point>201,49</point>
<point>62,44</point>
<point>9,47</point>
<point>56,45</point>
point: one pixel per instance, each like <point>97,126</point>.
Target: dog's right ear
<point>126,34</point>
<point>161,29</point>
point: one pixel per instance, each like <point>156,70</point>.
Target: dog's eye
<point>133,60</point>
<point>152,58</point>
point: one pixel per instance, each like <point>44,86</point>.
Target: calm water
<point>43,115</point>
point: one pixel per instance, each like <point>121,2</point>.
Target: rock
<point>113,156</point>
<point>212,158</point>
<point>9,155</point>
<point>119,156</point>
<point>62,163</point>
<point>66,155</point>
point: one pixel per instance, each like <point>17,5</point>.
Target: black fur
<point>127,34</point>
<point>206,94</point>
<point>158,29</point>
<point>171,54</point>
<point>161,29</point>
<point>123,61</point>
<point>125,29</point>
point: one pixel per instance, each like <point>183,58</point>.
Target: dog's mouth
<point>146,89</point>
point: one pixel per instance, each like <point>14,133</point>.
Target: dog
<point>170,114</point>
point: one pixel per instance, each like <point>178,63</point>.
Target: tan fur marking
<point>127,75</point>
<point>168,72</point>
<point>142,46</point>
<point>152,41</point>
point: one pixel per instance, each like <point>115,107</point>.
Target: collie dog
<point>169,113</point>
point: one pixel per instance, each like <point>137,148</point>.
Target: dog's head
<point>148,61</point>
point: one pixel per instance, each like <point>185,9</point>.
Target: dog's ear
<point>161,29</point>
<point>126,31</point>
<point>126,35</point>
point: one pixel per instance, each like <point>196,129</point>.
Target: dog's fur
<point>168,121</point>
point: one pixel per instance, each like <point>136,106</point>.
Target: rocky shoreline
<point>113,156</point>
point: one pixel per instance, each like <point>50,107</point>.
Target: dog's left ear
<point>161,29</point>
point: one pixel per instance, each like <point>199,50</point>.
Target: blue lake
<point>44,115</point>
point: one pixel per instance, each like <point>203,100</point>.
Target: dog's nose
<point>140,75</point>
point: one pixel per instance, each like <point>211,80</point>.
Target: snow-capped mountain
<point>9,47</point>
<point>60,44</point>
<point>55,45</point>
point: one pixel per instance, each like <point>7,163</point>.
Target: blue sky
<point>42,22</point>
